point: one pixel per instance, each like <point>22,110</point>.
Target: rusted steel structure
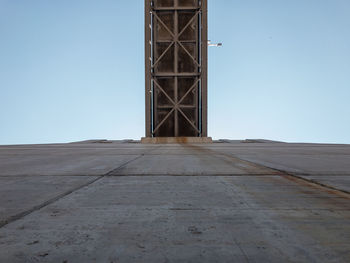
<point>176,68</point>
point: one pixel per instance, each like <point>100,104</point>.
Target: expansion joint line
<point>283,173</point>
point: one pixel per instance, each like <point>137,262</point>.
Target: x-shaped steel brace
<point>176,39</point>
<point>176,105</point>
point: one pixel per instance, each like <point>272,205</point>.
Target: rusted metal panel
<point>176,68</point>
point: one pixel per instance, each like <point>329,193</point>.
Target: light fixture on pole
<point>214,44</point>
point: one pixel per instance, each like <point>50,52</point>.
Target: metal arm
<point>214,44</point>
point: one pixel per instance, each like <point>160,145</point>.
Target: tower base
<point>167,140</point>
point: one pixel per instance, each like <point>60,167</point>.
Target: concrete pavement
<point>129,202</point>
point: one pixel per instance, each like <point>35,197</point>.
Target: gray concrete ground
<point>228,201</point>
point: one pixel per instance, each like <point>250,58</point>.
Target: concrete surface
<point>230,201</point>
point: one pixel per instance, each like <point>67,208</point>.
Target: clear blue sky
<point>74,70</point>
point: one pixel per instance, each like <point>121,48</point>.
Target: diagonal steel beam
<point>162,122</point>
<point>188,24</point>
<point>194,127</point>
<point>162,90</point>
<point>164,25</point>
<point>163,54</point>
<point>190,89</point>
<point>188,53</point>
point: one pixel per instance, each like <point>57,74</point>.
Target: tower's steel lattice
<point>176,68</point>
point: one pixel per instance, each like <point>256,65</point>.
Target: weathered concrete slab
<point>69,159</point>
<point>192,163</point>
<point>323,163</point>
<point>230,204</point>
<point>191,219</point>
<point>310,159</point>
<point>20,195</point>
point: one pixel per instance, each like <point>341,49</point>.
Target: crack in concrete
<point>46,203</point>
<point>66,193</point>
<point>112,172</point>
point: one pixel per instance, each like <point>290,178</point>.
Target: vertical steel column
<point>148,68</point>
<point>204,58</point>
<point>176,56</point>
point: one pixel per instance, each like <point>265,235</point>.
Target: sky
<point>73,70</point>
